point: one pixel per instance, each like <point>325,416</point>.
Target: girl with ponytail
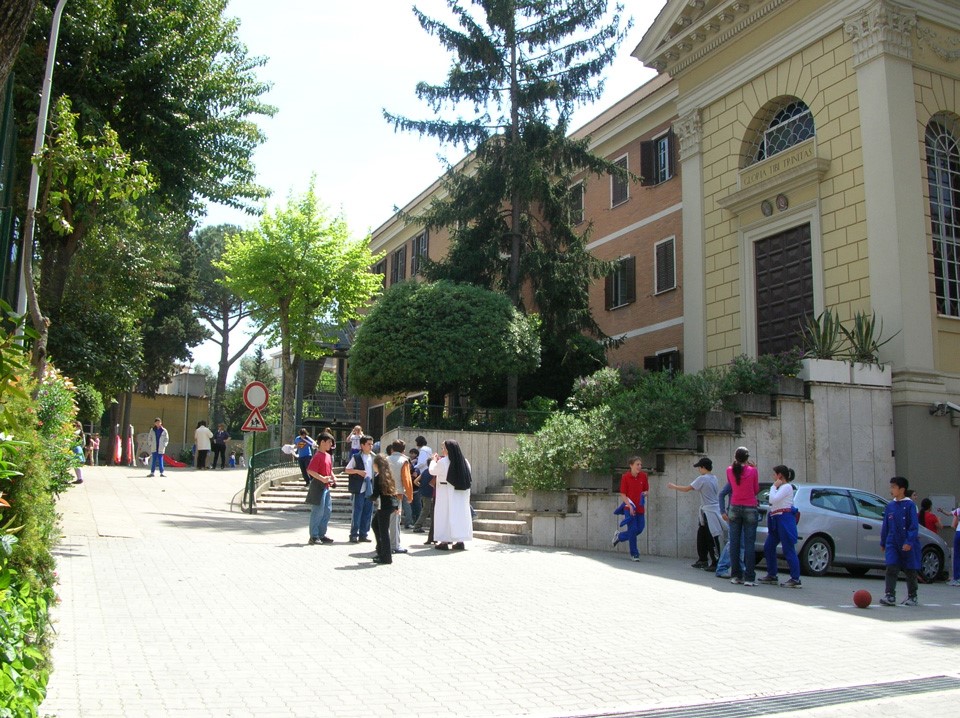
<point>745,484</point>
<point>782,528</point>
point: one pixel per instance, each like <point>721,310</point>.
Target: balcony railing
<point>422,416</point>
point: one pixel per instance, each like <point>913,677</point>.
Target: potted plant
<point>822,338</point>
<point>783,368</point>
<point>747,386</point>
<point>864,352</point>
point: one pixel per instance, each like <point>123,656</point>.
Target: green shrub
<point>661,409</point>
<point>89,404</point>
<point>565,443</point>
<point>595,390</point>
<point>36,437</point>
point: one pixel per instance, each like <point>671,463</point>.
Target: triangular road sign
<point>254,422</point>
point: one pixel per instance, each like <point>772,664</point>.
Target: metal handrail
<point>266,466</point>
<point>422,416</point>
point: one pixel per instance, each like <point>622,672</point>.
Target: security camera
<point>941,408</point>
<point>950,406</point>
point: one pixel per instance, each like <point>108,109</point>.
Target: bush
<point>661,409</point>
<point>595,390</point>
<point>564,444</point>
<point>89,404</point>
<point>36,438</point>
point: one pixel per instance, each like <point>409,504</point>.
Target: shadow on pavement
<point>940,636</point>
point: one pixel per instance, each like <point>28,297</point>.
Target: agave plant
<point>865,338</point>
<point>822,336</point>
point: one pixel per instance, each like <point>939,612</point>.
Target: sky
<point>334,67</point>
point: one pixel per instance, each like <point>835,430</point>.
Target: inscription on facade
<point>777,165</point>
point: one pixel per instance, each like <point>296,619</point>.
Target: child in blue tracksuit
<point>900,543</point>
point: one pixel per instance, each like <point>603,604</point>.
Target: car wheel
<point>931,564</point>
<point>816,556</point>
<point>858,571</point>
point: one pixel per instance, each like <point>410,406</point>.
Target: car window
<point>764,496</point>
<point>831,500</point>
<point>869,505</point>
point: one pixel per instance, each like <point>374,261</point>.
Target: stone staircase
<point>497,518</point>
<point>290,494</point>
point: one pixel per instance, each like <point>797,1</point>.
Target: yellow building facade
<point>821,169</point>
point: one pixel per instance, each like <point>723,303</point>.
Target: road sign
<point>254,422</point>
<point>255,395</point>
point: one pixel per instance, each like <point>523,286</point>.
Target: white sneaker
<point>954,582</point>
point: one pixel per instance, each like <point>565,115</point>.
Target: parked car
<point>840,526</point>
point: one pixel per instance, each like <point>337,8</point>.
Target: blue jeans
<point>320,516</point>
<point>633,526</point>
<point>156,460</point>
<point>782,529</point>
<point>743,537</point>
<point>362,516</point>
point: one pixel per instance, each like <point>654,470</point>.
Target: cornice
<point>700,28</point>
<point>881,28</point>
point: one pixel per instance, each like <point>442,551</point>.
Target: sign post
<point>256,397</point>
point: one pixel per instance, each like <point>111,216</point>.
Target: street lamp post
<point>26,254</point>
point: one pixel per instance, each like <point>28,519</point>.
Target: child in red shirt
<point>634,488</point>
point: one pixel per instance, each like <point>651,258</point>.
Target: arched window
<point>781,125</point>
<point>943,178</point>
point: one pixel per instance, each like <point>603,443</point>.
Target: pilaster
<point>690,134</point>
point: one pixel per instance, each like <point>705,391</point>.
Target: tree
<point>172,79</point>
<point>523,66</point>
<point>472,334</point>
<point>15,17</point>
<point>86,180</point>
<point>163,94</point>
<point>303,278</point>
<point>220,308</point>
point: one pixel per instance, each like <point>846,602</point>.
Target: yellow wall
<point>823,77</point>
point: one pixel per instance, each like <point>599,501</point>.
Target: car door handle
<point>868,527</point>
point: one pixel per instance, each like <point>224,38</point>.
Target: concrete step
<point>494,515</point>
<point>504,527</point>
<point>497,496</point>
<point>516,539</point>
<point>495,505</point>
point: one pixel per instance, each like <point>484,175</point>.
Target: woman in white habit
<point>452,518</point>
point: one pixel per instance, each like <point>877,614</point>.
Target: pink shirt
<point>744,493</point>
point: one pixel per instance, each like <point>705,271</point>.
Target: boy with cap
<point>710,523</point>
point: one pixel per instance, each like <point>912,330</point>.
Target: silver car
<point>840,526</point>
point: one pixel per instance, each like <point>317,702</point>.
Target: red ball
<point>862,598</point>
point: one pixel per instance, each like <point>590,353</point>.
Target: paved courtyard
<point>174,605</point>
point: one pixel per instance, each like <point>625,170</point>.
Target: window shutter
<point>651,363</point>
<point>608,291</point>
<point>630,280</point>
<point>648,163</point>
<point>666,276</point>
<point>671,154</point>
<point>619,188</point>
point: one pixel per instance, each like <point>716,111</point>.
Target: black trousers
<point>221,451</point>
<point>381,531</point>
<point>202,458</point>
<point>707,544</point>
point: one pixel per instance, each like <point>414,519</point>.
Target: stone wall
<point>481,449</point>
<point>843,436</point>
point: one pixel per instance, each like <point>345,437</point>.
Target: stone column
<point>689,132</point>
<point>882,36</point>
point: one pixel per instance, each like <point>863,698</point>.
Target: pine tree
<point>522,66</point>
